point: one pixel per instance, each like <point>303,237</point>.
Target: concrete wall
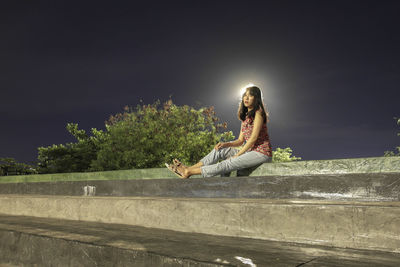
<point>360,187</point>
<point>337,166</point>
<point>362,225</point>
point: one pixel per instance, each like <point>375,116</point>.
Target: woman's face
<point>248,100</point>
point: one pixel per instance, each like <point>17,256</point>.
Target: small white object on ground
<point>246,261</point>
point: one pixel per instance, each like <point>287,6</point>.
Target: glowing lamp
<point>243,89</point>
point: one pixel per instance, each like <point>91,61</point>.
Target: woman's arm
<point>258,121</point>
<point>235,143</point>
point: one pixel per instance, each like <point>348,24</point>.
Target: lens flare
<point>243,89</point>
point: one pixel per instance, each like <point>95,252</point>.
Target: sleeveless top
<point>262,143</point>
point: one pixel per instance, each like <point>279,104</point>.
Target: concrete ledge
<point>337,166</point>
<point>359,187</point>
<point>49,242</point>
<point>360,225</point>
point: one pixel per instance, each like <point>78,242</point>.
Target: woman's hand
<point>220,145</point>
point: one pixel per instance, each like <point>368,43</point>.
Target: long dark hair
<point>257,104</point>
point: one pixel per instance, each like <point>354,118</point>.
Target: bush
<point>283,155</point>
<point>71,157</point>
<point>149,136</point>
<point>394,153</point>
<point>9,166</point>
<point>145,137</point>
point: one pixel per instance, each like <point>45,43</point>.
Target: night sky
<point>329,70</point>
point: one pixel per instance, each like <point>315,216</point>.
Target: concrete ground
<point>31,241</point>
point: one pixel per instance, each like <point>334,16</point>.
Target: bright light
<point>243,89</point>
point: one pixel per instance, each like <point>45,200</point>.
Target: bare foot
<point>178,163</point>
<point>183,171</point>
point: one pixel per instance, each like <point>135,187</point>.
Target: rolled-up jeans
<point>212,166</point>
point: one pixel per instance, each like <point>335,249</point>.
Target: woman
<point>254,132</point>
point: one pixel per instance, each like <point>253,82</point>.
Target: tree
<point>149,136</point>
<point>145,137</point>
<point>9,166</point>
<point>71,157</point>
<point>393,153</point>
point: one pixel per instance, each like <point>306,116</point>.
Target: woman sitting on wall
<point>253,132</point>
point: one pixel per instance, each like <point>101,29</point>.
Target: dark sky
<point>329,70</point>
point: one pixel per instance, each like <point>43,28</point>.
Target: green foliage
<point>145,137</point>
<point>283,155</point>
<point>71,157</point>
<point>149,136</point>
<point>9,166</point>
<point>394,153</point>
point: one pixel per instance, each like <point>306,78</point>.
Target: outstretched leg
<point>186,172</point>
<point>197,165</point>
<point>213,157</point>
<point>247,160</point>
<point>216,155</point>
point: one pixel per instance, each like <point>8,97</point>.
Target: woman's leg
<point>213,157</point>
<point>216,155</point>
<point>178,163</point>
<point>195,166</point>
<point>246,160</point>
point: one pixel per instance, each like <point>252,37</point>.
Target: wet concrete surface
<point>30,241</point>
<point>355,187</point>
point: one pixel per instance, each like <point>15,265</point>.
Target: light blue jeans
<point>212,166</point>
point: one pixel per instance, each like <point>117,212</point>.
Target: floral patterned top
<point>262,143</point>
